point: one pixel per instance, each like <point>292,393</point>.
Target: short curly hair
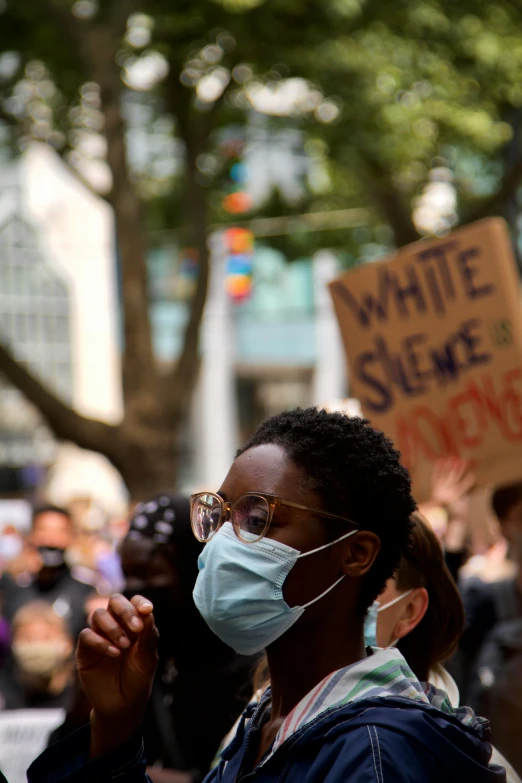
<point>356,472</point>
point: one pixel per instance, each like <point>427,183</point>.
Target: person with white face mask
<point>421,613</point>
<point>41,671</point>
<point>301,537</point>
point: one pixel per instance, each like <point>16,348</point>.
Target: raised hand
<point>117,659</point>
<point>452,481</point>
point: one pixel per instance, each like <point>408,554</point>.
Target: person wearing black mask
<point>51,535</point>
<point>201,684</point>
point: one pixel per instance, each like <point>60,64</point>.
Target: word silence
<point>433,338</point>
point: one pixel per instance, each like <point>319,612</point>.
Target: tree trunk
<point>390,202</point>
<point>144,446</point>
<point>140,377</point>
<point>149,465</point>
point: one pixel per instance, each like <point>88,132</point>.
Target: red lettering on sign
<point>468,417</point>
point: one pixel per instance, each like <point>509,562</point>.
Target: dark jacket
<point>485,605</point>
<point>499,692</point>
<point>381,740</point>
<point>15,695</point>
<point>66,594</point>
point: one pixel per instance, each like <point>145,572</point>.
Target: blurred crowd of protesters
<point>62,571</point>
<point>72,559</point>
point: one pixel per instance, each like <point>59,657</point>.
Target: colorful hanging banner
<point>239,243</point>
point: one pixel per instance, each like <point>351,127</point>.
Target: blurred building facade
<point>276,349</point>
<point>58,313</point>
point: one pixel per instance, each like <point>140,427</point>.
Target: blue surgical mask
<point>370,625</point>
<point>239,590</point>
<point>370,621</point>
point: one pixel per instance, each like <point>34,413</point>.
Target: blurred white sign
<point>23,736</point>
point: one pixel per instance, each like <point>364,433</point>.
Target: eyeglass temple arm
<point>317,511</point>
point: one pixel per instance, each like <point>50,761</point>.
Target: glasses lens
<point>250,517</point>
<point>206,516</point>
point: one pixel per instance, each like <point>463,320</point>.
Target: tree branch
<point>73,171</point>
<point>63,420</point>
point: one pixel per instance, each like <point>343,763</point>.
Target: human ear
<point>360,553</point>
<point>415,607</point>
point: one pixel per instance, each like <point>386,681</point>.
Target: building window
<point>35,324</point>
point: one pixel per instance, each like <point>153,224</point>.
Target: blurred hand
<point>27,562</point>
<point>451,483</point>
<point>116,660</point>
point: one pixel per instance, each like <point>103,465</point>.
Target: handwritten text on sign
<point>434,342</point>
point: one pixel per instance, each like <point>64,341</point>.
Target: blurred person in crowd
<point>51,536</point>
<point>421,613</point>
<point>201,680</point>
<point>308,526</point>
<point>11,548</point>
<point>24,565</point>
<point>41,670</point>
<point>488,604</point>
<point>495,684</point>
<point>95,600</point>
<point>93,555</point>
<point>201,685</point>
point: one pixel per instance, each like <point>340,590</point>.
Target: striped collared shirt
<point>385,673</point>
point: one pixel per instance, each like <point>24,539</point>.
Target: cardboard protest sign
<point>433,338</point>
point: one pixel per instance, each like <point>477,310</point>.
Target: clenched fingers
<point>89,641</point>
<point>104,624</point>
<point>128,613</point>
<point>121,623</point>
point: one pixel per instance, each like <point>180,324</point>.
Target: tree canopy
<point>407,116</point>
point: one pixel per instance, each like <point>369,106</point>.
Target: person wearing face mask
<point>306,529</point>
<point>51,536</point>
<point>421,613</point>
<point>40,672</point>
